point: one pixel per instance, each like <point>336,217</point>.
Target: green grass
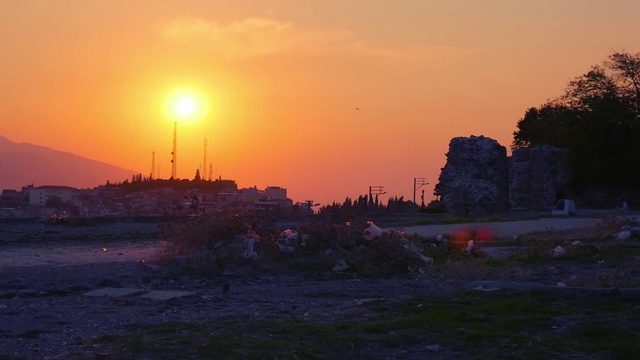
<point>497,325</point>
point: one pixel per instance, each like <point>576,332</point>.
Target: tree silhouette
<point>597,119</point>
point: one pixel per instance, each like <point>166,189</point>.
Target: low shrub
<point>228,239</point>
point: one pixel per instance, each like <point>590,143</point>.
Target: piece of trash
<point>559,251</point>
<point>372,231</point>
<point>286,249</point>
<point>105,249</point>
<point>624,235</point>
<point>469,246</point>
<point>251,255</point>
<point>482,288</point>
<point>342,266</point>
<point>427,260</point>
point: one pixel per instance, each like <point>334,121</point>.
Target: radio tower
<point>174,153</point>
<point>204,161</point>
<point>153,165</point>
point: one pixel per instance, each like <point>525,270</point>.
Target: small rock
<point>434,348</point>
<point>109,283</point>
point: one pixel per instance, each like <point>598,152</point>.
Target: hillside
<point>23,164</point>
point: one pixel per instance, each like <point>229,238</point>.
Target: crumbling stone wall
<point>475,179</point>
<point>535,175</point>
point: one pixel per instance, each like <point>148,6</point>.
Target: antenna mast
<point>153,165</point>
<point>204,160</point>
<point>174,153</point>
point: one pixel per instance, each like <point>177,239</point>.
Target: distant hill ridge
<point>24,164</point>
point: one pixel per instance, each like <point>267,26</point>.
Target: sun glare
<point>186,105</point>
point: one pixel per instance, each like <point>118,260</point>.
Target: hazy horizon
<point>322,98</point>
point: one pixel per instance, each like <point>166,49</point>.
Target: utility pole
<point>375,190</point>
<point>308,204</point>
<point>417,184</point>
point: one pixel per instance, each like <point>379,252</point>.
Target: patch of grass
<point>496,325</point>
<point>11,357</point>
<point>32,334</point>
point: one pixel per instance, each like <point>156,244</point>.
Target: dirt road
<point>71,253</point>
<point>507,228</point>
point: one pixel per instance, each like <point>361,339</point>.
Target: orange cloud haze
<point>323,98</point>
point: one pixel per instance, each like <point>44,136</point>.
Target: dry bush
<point>209,231</point>
<point>612,223</point>
<point>220,240</point>
<point>389,253</point>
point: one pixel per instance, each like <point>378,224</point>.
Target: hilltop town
<point>142,197</point>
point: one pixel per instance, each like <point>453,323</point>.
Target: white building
<point>275,192</point>
<point>39,196</point>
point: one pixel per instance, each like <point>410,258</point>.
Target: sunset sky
<point>324,98</point>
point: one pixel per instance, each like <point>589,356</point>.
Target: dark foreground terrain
<point>504,301</point>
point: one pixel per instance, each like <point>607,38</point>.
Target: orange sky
<point>282,80</point>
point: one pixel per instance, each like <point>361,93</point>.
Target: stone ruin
<point>537,176</point>
<point>480,179</point>
<point>475,179</point>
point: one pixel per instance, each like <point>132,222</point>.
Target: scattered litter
<point>482,288</point>
<point>342,266</point>
<point>250,253</point>
<point>434,348</point>
<point>559,251</point>
<point>427,260</point>
<point>469,246</point>
<point>364,301</point>
<point>286,249</point>
<point>289,235</point>
<point>624,235</point>
<point>372,231</point>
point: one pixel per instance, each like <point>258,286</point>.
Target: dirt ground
<point>45,272</point>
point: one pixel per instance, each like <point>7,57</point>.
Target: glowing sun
<point>185,106</point>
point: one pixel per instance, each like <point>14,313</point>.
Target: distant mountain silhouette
<point>25,164</point>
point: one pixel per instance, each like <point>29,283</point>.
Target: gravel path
<point>507,228</point>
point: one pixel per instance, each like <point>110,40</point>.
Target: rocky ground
<point>46,273</point>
